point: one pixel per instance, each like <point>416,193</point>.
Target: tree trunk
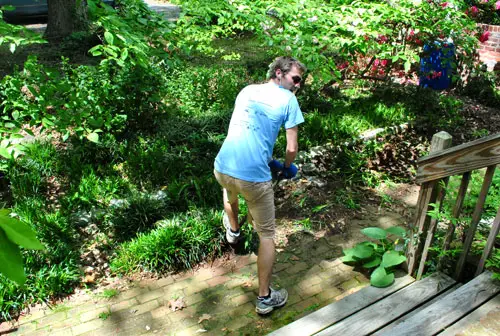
<point>65,17</point>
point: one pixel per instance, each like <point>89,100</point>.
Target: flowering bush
<point>483,11</point>
<point>338,40</point>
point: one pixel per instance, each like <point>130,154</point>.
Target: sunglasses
<point>296,79</point>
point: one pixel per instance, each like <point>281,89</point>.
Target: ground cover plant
<point>379,257</point>
<point>116,158</point>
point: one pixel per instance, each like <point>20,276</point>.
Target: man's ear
<point>278,73</point>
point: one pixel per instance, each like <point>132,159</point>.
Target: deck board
<point>392,307</point>
<point>451,308</point>
<point>473,317</point>
<point>422,307</point>
<point>341,309</point>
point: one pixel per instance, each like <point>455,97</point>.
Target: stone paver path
<point>219,299</point>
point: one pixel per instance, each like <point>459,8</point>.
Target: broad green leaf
<point>94,137</point>
<point>380,278</point>
<point>109,37</point>
<point>349,258</point>
<point>375,233</point>
<point>392,258</point>
<point>19,232</point>
<point>369,243</point>
<point>375,262</point>
<point>95,51</point>
<point>407,66</point>
<point>11,261</point>
<point>65,136</point>
<point>5,153</point>
<point>396,230</point>
<point>124,54</point>
<point>348,252</point>
<point>363,251</point>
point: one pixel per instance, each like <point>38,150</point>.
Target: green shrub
<point>204,91</point>
<point>482,87</point>
<point>177,243</point>
<point>138,214</point>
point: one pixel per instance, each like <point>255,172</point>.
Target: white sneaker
<point>232,238</point>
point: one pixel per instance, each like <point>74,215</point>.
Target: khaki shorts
<point>260,201</point>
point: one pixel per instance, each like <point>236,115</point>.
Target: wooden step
<point>492,305</point>
<point>389,309</point>
<point>422,307</point>
<point>339,310</point>
<point>451,308</point>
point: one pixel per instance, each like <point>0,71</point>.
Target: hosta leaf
<point>11,261</point>
<point>363,251</point>
<point>380,278</point>
<point>375,233</point>
<point>375,262</point>
<point>392,258</point>
<point>396,230</point>
<point>349,255</point>
<point>349,258</point>
<point>348,252</point>
<point>19,232</point>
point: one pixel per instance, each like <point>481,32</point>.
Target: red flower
<point>343,65</point>
<point>384,62</point>
<point>419,42</point>
<point>382,39</point>
<point>474,11</point>
<point>484,36</point>
<point>444,4</point>
<point>436,74</point>
<point>376,63</point>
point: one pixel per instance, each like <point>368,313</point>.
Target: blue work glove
<point>275,166</point>
<point>289,172</point>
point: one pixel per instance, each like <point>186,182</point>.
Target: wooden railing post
<point>476,217</point>
<point>428,194</point>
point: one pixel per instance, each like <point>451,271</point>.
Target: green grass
<point>104,315</point>
<point>109,293</point>
<point>177,243</point>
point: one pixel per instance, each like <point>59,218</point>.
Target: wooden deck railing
<point>433,173</point>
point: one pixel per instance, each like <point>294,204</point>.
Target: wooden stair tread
<point>392,307</point>
<point>422,307</point>
<point>451,308</point>
<point>475,316</point>
<point>339,310</point>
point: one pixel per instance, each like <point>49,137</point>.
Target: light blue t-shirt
<point>259,112</point>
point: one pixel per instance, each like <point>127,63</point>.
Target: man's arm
<point>292,145</point>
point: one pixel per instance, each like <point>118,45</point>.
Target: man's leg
<point>231,210</point>
<point>265,262</point>
<point>260,201</point>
